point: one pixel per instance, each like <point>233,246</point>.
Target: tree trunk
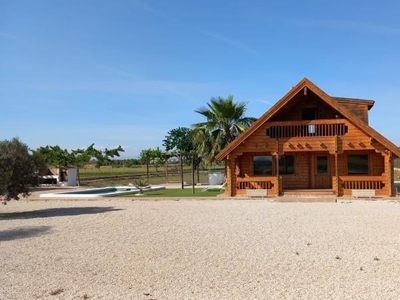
<point>78,176</point>
<point>193,165</point>
<point>147,169</point>
<point>166,170</point>
<point>183,186</point>
<point>198,172</point>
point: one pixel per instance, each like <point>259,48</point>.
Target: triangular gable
<point>327,99</point>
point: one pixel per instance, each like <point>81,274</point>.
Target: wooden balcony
<point>312,128</point>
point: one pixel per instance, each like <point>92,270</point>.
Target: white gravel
<point>213,249</point>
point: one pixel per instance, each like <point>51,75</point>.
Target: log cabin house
<point>311,142</point>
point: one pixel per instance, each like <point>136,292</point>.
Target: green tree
<point>151,156</point>
<point>180,141</point>
<point>57,157</point>
<point>19,169</point>
<point>225,120</point>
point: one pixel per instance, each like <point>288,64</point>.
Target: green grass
<point>173,193</point>
<point>89,172</point>
<point>159,180</point>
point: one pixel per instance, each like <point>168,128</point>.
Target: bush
<point>18,169</point>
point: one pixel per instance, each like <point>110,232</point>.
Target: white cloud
<point>237,44</point>
<point>231,42</point>
<point>266,102</point>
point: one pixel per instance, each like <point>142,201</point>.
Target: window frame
<point>358,170</point>
<point>267,172</point>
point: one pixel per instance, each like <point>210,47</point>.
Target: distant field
<point>92,176</point>
<point>162,179</point>
<point>92,171</point>
<point>110,171</point>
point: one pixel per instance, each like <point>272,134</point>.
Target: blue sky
<point>124,73</point>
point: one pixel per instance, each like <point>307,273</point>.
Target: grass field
<point>89,172</point>
<point>162,179</point>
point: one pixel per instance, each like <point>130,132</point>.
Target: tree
<point>225,120</point>
<point>151,156</point>
<point>58,157</point>
<point>55,156</point>
<point>19,169</point>
<point>179,140</point>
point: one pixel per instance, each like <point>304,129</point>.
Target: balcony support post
<point>278,182</point>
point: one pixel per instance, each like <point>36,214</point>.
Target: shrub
<point>18,169</point>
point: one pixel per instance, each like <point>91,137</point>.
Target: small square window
<point>357,164</point>
<point>262,165</point>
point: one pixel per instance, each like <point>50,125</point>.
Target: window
<point>262,165</point>
<point>286,164</point>
<point>322,165</point>
<point>357,164</point>
<point>309,113</point>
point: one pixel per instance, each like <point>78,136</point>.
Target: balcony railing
<point>316,128</point>
<point>362,182</point>
<point>252,183</point>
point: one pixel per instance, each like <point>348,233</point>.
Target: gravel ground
<point>189,249</point>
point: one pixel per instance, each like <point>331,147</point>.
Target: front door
<point>322,177</point>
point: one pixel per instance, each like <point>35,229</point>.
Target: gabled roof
<point>327,99</point>
<point>369,103</point>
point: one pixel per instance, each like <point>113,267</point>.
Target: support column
<point>336,174</point>
<point>278,182</point>
<point>336,165</point>
<point>389,172</point>
<point>230,189</point>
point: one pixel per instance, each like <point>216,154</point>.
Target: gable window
<point>286,164</point>
<point>309,113</point>
<point>357,164</point>
<point>262,165</point>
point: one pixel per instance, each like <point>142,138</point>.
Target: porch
<point>342,186</point>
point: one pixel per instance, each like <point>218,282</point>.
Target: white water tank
<point>72,176</point>
<point>216,178</point>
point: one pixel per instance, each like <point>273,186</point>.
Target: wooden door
<point>322,172</point>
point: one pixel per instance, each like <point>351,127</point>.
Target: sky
<point>78,72</point>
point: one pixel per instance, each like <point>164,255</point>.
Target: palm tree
<point>224,122</point>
